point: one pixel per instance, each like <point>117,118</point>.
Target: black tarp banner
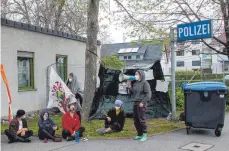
<point>158,107</point>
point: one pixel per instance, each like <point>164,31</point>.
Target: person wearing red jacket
<point>71,123</point>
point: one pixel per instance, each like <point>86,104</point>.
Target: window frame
<point>195,42</point>
<point>196,50</point>
<point>65,65</point>
<point>180,61</point>
<point>138,56</point>
<point>179,52</point>
<point>31,71</point>
<point>196,61</point>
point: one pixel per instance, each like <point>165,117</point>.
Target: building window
<point>129,57</point>
<point>226,66</point>
<point>61,66</point>
<point>138,57</point>
<point>125,57</point>
<point>196,63</point>
<point>133,57</point>
<point>180,53</point>
<point>25,64</point>
<point>180,63</point>
<point>195,52</point>
<point>195,42</point>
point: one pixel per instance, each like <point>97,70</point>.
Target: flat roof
<point>29,27</point>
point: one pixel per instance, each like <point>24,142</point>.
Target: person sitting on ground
<point>71,123</point>
<point>47,128</point>
<point>18,129</point>
<point>115,119</point>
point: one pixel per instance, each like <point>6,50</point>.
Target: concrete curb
<point>125,138</point>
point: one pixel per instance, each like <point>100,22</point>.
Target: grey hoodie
<point>141,90</point>
<point>74,85</point>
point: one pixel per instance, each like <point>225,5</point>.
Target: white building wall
<point>188,57</point>
<point>45,48</point>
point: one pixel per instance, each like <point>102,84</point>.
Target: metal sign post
<point>173,73</point>
<point>190,31</point>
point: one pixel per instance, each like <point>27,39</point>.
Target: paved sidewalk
<point>167,142</point>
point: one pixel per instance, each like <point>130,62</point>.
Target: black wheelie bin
<point>205,104</point>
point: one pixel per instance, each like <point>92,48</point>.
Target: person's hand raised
<point>128,83</point>
<point>108,118</point>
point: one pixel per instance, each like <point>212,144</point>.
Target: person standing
<point>141,93</point>
<point>73,84</point>
<point>18,129</point>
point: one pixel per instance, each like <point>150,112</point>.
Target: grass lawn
<point>155,126</point>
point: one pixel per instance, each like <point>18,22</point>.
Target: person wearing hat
<point>18,129</point>
<point>115,119</point>
<point>71,122</point>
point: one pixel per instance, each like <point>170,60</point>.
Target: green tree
<point>153,19</point>
<point>112,62</point>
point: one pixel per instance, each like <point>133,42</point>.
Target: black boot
<point>10,137</point>
<point>24,140</point>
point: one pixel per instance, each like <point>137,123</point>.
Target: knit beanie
<point>118,103</point>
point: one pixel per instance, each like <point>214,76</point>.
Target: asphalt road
<point>168,142</point>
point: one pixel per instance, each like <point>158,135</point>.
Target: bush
<point>179,98</point>
<point>187,75</point>
<point>112,62</point>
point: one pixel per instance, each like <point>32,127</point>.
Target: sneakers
<point>57,139</point>
<point>144,137</point>
<point>103,132</point>
<point>45,140</point>
<point>69,139</point>
<point>137,137</point>
<point>84,139</point>
<point>141,138</point>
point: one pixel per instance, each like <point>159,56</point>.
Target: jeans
<point>116,127</point>
<point>66,133</point>
<point>140,119</point>
<point>13,138</point>
<point>45,134</point>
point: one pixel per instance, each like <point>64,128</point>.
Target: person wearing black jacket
<point>115,119</point>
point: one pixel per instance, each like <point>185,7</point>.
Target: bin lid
<point>204,86</point>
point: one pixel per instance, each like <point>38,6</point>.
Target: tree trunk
<point>58,15</point>
<point>26,12</point>
<point>225,12</point>
<point>90,57</point>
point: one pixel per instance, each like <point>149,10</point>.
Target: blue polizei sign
<point>195,30</point>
